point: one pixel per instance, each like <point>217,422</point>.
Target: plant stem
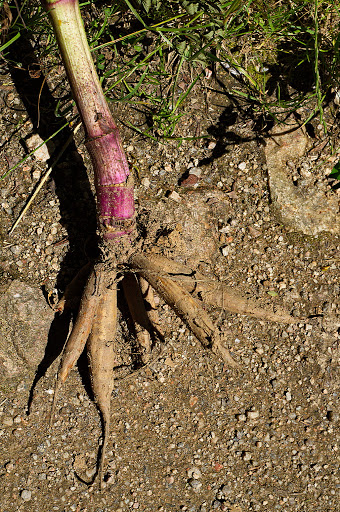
<point>113,182</point>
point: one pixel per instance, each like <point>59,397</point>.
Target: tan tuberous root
<point>81,329</point>
<point>102,357</point>
<point>184,305</point>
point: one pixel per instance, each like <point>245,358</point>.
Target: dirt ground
<point>188,433</point>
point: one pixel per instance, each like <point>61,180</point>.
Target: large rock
<point>305,207</point>
<point>25,320</point>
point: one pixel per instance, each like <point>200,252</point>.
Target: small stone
<point>175,196</point>
<point>16,249</point>
<point>7,421</point>
<point>242,166</point>
<point>26,495</point>
<point>145,182</point>
<point>196,171</point>
<point>226,489</point>
<point>9,466</point>
<point>225,250</point>
<point>217,504</point>
<point>36,174</point>
<point>168,168</point>
<point>246,456</point>
<point>252,415</point>
<point>194,472</point>
<point>17,419</point>
<point>194,484</point>
<point>33,143</point>
<point>190,181</point>
<point>288,396</point>
<point>240,417</point>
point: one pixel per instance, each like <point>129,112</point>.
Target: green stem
<point>70,33</point>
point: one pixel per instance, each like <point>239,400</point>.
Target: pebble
<point>242,166</point>
<point>194,484</point>
<point>252,415</point>
<point>42,153</point>
<point>225,250</point>
<point>194,472</point>
<point>36,174</point>
<point>240,417</point>
<point>7,208</point>
<point>26,495</point>
<point>288,396</point>
<point>7,421</point>
<point>16,249</point>
<point>246,456</point>
<point>217,504</point>
<point>190,181</point>
<point>146,182</point>
<point>175,196</point>
<point>195,171</point>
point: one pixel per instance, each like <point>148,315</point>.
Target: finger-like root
<point>142,324</point>
<point>218,294</point>
<point>150,305</point>
<point>184,305</point>
<point>103,358</point>
<point>81,329</point>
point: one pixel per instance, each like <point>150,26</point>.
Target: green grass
<point>145,48</point>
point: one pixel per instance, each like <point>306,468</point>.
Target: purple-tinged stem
<point>114,187</point>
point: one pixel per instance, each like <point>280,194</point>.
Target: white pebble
<point>7,421</point>
<point>288,396</point>
<point>225,250</point>
<point>253,415</point>
<point>240,417</point>
<point>26,495</point>
<point>194,472</point>
<point>34,142</point>
<point>175,196</point>
<point>36,174</point>
<point>242,166</point>
<point>145,182</point>
<point>168,168</point>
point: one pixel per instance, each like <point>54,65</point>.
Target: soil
<point>188,433</point>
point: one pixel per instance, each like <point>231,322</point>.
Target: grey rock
<point>301,207</point>
<point>25,320</point>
